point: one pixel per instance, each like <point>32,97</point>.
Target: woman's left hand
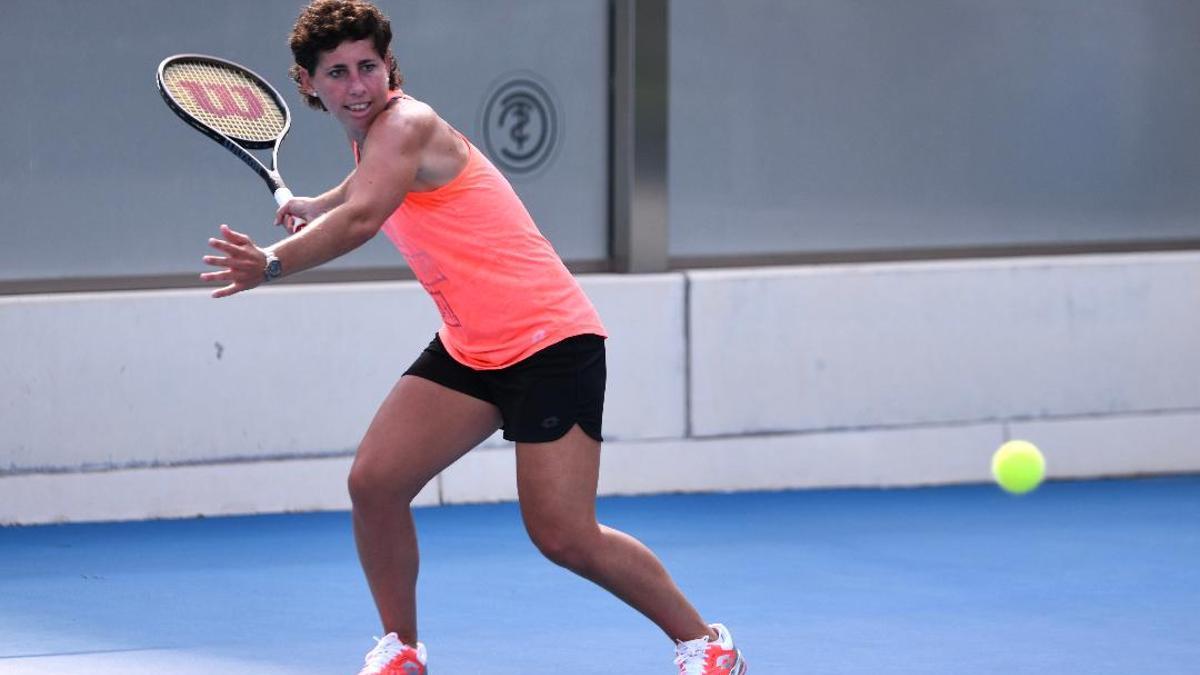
<point>244,263</point>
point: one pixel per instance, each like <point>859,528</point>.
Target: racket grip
<point>282,196</point>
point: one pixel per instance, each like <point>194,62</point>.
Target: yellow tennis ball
<point>1018,466</point>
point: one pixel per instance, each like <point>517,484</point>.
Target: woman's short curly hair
<point>325,24</point>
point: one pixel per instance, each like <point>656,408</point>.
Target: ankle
<point>408,637</point>
<point>707,632</point>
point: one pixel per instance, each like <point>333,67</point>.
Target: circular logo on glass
<point>520,125</point>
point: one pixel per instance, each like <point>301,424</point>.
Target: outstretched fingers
<point>235,236</point>
<point>237,257</point>
<point>242,263</point>
<point>227,291</point>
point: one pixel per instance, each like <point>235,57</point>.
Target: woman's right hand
<point>298,212</point>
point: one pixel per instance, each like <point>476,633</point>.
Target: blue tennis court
<point>1078,577</point>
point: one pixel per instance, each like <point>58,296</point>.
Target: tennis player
<point>520,347</point>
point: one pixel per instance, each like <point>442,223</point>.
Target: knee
<point>570,547</point>
<point>370,487</point>
<point>364,488</point>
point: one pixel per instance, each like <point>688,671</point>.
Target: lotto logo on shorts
<point>224,100</point>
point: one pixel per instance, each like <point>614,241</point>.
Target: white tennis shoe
<point>392,657</point>
<point>705,656</point>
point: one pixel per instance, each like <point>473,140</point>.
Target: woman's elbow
<point>361,234</point>
<point>363,227</point>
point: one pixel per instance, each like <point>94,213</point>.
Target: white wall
<point>943,343</point>
<point>169,404</point>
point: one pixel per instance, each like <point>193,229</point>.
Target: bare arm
<point>368,196</point>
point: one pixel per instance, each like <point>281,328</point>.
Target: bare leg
<point>557,485</point>
<point>420,429</point>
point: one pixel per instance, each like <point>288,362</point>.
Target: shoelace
<point>690,656</point>
<point>385,650</point>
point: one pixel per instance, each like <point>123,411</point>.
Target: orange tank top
<point>502,290</point>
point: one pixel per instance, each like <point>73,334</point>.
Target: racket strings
<point>225,100</point>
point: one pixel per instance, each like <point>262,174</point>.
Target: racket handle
<point>283,196</point>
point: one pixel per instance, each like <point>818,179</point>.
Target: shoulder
<point>406,122</point>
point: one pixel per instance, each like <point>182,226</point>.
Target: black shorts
<point>541,397</point>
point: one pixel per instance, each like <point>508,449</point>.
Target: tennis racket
<point>233,106</point>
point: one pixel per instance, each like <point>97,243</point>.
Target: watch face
<point>274,268</point>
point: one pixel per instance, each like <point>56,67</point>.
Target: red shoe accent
<point>406,663</point>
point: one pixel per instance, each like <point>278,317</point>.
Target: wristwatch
<point>273,269</point>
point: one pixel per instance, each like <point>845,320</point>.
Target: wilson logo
<point>223,100</point>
